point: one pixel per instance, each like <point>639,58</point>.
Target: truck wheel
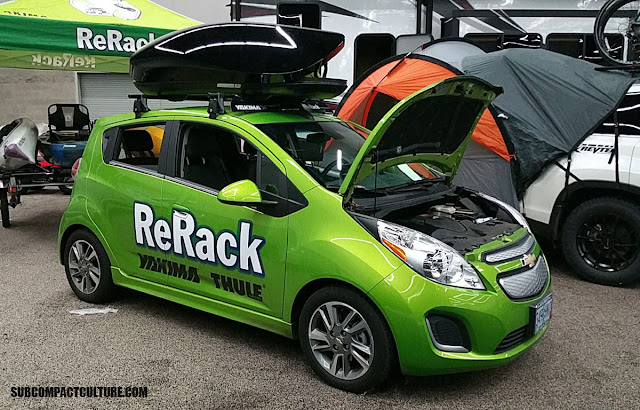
<point>601,241</point>
<point>4,208</point>
<point>88,268</point>
<point>346,339</point>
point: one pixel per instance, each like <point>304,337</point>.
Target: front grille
<point>512,340</point>
<point>525,284</point>
<point>512,251</point>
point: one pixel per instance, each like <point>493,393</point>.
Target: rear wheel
<point>67,189</point>
<point>88,268</point>
<point>4,208</point>
<point>601,241</point>
<point>346,339</point>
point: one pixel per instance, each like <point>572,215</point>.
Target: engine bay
<point>459,217</point>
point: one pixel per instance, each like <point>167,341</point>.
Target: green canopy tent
<point>80,35</point>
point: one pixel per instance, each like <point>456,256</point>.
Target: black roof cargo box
<point>238,58</point>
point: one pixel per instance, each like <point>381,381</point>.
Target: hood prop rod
<point>375,183</point>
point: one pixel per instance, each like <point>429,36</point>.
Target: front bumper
<point>406,298</point>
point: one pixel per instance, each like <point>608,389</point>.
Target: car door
<point>127,195</point>
<point>237,252</point>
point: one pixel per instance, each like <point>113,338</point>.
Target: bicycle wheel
<point>629,28</point>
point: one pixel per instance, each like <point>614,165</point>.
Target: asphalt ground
<point>589,358</point>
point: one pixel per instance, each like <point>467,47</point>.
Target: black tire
<point>601,241</point>
<point>4,208</point>
<point>104,290</point>
<point>66,189</point>
<point>383,361</point>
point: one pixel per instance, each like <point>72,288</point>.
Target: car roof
<point>254,118</point>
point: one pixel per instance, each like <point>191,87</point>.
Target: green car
<point>355,242</point>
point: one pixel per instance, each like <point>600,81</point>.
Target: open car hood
<point>432,126</point>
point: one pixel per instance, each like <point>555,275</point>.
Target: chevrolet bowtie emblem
<point>528,260</point>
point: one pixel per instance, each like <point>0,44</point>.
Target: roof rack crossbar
<point>216,105</point>
<point>140,104</point>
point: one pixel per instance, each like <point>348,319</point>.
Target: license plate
<point>541,313</point>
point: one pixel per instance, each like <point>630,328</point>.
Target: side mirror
<point>243,192</point>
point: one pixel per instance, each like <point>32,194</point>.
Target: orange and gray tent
<point>387,83</point>
<point>551,103</point>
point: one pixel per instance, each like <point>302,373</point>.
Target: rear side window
<point>139,146</point>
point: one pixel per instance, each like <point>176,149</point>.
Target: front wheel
<point>346,339</point>
<point>88,268</point>
<point>601,241</point>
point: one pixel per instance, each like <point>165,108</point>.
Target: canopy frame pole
<point>567,171</point>
<point>616,141</point>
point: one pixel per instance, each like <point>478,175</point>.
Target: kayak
<point>18,142</point>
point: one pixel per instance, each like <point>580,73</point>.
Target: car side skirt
<point>209,305</point>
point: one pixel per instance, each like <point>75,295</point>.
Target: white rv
<point>373,29</point>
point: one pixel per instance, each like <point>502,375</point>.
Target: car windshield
<point>327,149</point>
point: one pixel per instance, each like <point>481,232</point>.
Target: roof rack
<point>140,104</point>
<point>216,104</point>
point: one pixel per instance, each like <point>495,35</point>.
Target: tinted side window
<point>214,158</point>
<point>628,117</point>
<point>107,136</point>
<point>140,145</point>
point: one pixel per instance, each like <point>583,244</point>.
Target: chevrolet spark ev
<point>355,242</point>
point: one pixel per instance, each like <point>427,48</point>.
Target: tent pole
<point>616,140</point>
<point>418,16</point>
<point>567,172</point>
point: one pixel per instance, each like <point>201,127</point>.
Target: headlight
<point>517,216</point>
<point>428,256</point>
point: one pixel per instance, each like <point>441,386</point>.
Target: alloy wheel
<point>608,243</point>
<point>341,340</point>
<point>84,266</point>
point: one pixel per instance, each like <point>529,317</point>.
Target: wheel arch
<point>581,191</point>
<point>311,287</point>
<point>65,237</point>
